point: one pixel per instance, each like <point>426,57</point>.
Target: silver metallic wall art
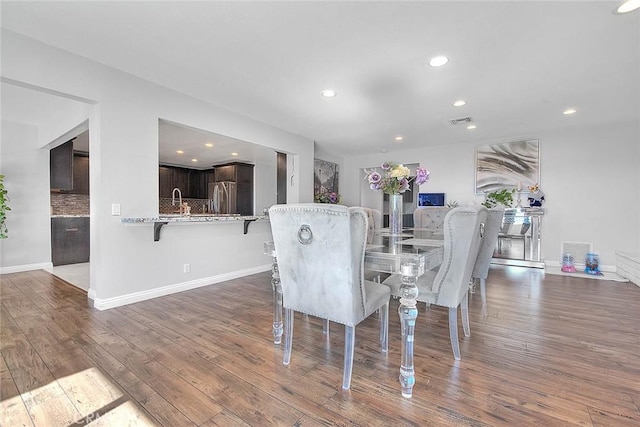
<point>507,165</point>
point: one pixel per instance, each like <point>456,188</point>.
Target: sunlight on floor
<point>84,398</point>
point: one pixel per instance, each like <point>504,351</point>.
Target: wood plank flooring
<point>553,351</point>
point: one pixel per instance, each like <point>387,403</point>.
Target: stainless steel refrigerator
<point>222,197</point>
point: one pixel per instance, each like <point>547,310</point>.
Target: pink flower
<point>422,175</point>
<point>374,178</point>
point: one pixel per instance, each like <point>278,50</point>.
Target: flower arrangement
<point>536,196</point>
<point>327,197</point>
<point>395,178</point>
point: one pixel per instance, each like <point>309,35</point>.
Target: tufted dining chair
<point>485,253</point>
<point>431,217</point>
<point>448,285</point>
<point>320,251</point>
<point>374,217</point>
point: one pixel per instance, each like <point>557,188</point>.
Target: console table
<point>519,238</point>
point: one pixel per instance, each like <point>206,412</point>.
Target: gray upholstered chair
<point>487,247</point>
<point>448,286</point>
<point>320,250</point>
<point>431,217</point>
<point>375,222</point>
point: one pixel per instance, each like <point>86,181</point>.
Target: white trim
<point>26,267</point>
<point>105,304</point>
<point>601,267</point>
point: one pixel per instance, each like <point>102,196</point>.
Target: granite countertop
<point>198,218</point>
<point>71,216</point>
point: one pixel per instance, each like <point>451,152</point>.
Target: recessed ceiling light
<point>471,127</point>
<point>459,103</point>
<point>208,144</point>
<point>194,160</point>
<point>384,150</point>
<point>569,111</point>
<point>329,93</point>
<point>398,138</point>
<point>438,61</point>
<point>180,152</point>
<point>234,154</point>
<point>628,6</point>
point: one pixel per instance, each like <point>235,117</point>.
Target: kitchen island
<point>162,220</point>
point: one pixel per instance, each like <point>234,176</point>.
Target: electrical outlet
<point>187,268</point>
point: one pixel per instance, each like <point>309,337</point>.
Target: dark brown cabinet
<point>68,170</point>
<point>166,182</point>
<point>69,240</point>
<point>61,167</point>
<point>192,183</point>
<point>80,174</point>
<point>199,182</point>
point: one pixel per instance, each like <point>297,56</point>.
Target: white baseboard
<point>25,267</point>
<point>107,303</point>
<point>607,268</point>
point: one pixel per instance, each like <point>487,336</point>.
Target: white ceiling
<point>517,64</point>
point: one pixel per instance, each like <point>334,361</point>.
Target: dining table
<point>409,253</point>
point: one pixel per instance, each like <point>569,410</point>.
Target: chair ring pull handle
<point>305,236</point>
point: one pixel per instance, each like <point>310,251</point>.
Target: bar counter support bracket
<point>246,225</point>
<point>156,230</point>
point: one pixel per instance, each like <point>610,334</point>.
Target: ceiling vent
<point>460,121</point>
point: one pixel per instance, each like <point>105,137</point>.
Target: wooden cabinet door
<point>244,189</point>
<point>181,181</point>
<point>69,240</point>
<point>165,182</point>
<point>61,167</point>
<point>80,174</point>
<point>226,173</point>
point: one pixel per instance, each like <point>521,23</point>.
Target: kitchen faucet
<point>173,198</point>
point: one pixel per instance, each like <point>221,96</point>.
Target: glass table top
<point>421,247</point>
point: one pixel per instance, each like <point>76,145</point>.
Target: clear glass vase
<point>395,213</point>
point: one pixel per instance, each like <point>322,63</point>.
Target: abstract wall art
<point>507,165</point>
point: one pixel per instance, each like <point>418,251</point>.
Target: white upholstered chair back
<point>485,253</point>
<point>461,243</point>
<point>488,243</point>
<point>320,252</point>
<point>375,222</point>
<point>449,285</point>
<point>430,217</point>
<point>322,277</point>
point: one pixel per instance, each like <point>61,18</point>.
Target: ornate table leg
<point>270,250</point>
<point>277,303</point>
<point>408,315</point>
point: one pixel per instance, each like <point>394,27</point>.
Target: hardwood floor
<point>552,351</point>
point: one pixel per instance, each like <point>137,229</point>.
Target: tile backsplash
<point>78,204</point>
<point>195,204</point>
<point>69,204</point>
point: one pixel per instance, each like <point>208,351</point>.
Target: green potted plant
<point>503,197</point>
<point>4,207</point>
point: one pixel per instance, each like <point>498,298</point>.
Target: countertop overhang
<point>162,220</point>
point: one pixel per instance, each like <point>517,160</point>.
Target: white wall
<point>123,128</point>
<point>26,170</point>
<point>589,176</point>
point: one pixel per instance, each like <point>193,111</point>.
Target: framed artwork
<point>507,165</point>
<point>325,176</point>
